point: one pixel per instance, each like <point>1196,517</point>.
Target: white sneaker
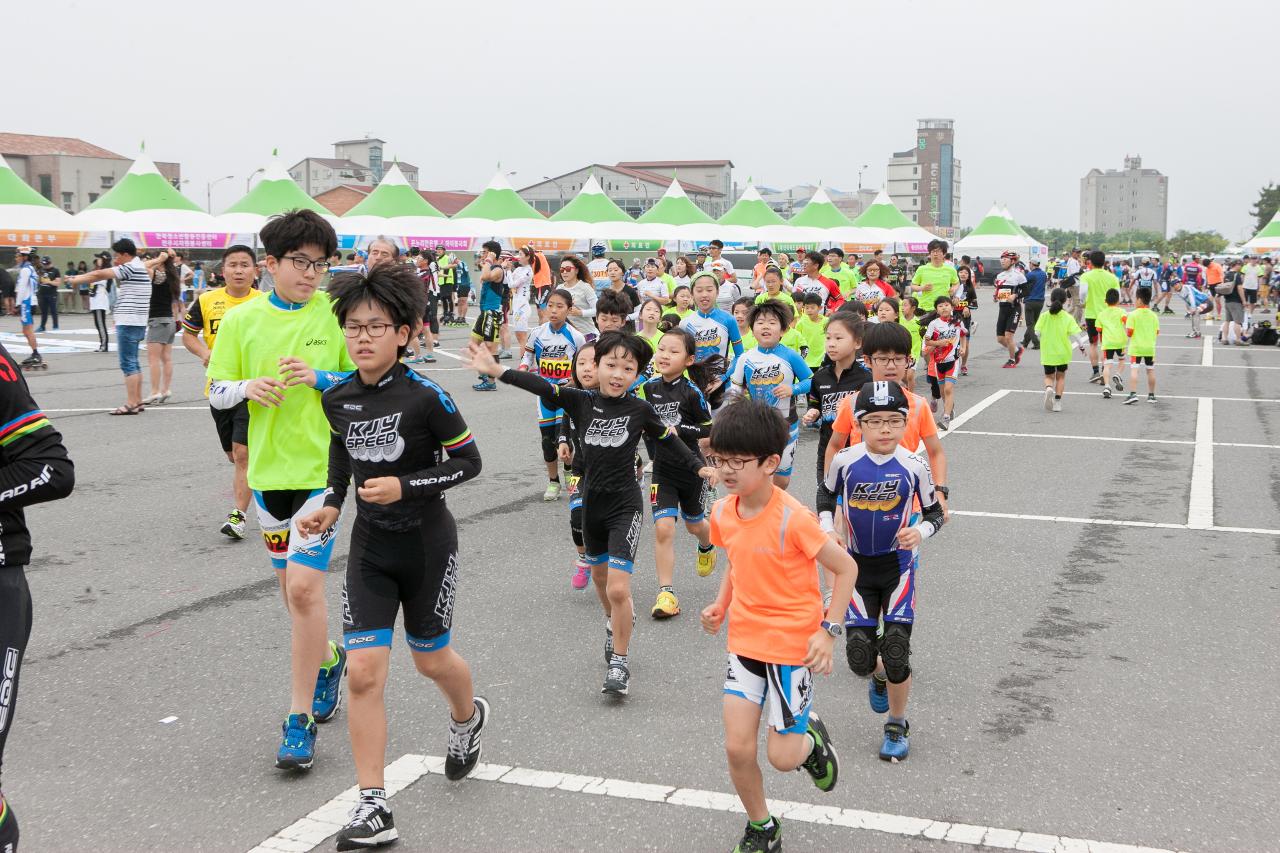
<point>553,491</point>
<point>1057,405</point>
<point>1048,399</point>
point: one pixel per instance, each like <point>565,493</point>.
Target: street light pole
<point>208,192</point>
<point>252,175</point>
<point>860,171</point>
<point>645,187</point>
<point>559,188</point>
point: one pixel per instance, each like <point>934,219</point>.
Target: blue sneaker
<point>896,743</point>
<point>298,749</point>
<point>328,696</point>
<point>485,384</point>
<point>878,694</point>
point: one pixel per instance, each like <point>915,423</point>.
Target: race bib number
<point>558,369</point>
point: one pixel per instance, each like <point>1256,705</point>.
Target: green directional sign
<point>635,245</point>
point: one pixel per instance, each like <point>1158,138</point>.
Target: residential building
<point>70,172</point>
<point>790,201</point>
<point>633,190</point>
<point>342,198</point>
<point>924,182</point>
<point>354,161</point>
<point>1129,199</point>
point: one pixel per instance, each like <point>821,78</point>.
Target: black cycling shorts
<point>1007,321</point>
<point>388,570</point>
<point>1112,353</point>
<point>1091,326</point>
<point>674,494</point>
<point>232,424</point>
<point>1148,360</point>
<point>487,325</point>
<point>611,528</point>
<point>884,588</point>
<point>464,290</point>
<point>1051,369</point>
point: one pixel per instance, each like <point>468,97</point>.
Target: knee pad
<point>550,447</point>
<point>860,650</point>
<point>895,651</point>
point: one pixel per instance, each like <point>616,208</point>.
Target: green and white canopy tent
<point>593,214</point>
<point>741,223</point>
<point>889,226</point>
<point>396,209</point>
<point>145,204</point>
<point>273,195</point>
<point>818,223</point>
<point>500,212</point>
<point>24,213</point>
<point>1266,240</point>
<point>998,233</point>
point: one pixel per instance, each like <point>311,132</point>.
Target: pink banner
<point>453,244</point>
<point>183,240</point>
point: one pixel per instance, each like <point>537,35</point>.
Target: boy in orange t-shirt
<point>777,634</point>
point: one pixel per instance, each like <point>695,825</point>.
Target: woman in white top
<point>576,279</point>
<point>521,283</point>
<point>99,304</point>
<point>684,270</point>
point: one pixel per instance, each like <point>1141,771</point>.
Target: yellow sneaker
<point>706,563</point>
<point>666,606</point>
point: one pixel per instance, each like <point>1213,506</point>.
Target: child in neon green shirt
<point>812,328</point>
<point>1114,337</point>
<point>1056,328</point>
<point>741,310</point>
<point>1143,326</point>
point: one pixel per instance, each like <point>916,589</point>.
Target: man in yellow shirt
<point>203,318</point>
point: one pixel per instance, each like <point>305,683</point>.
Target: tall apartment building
<point>1128,199</point>
<point>924,182</point>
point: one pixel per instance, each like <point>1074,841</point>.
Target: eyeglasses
<point>568,268</point>
<point>892,422</point>
<point>732,463</point>
<point>375,330</point>
<point>302,262</point>
<point>887,360</point>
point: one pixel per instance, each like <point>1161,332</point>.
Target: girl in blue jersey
<point>549,353</point>
<point>773,373</point>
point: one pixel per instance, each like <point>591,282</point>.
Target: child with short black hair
<point>401,438</point>
<point>778,633</point>
<point>1111,322</point>
<point>811,329</point>
<point>611,311</point>
<point>1056,328</point>
<point>613,421</point>
<point>1143,325</point>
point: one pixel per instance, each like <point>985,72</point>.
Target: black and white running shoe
<point>464,742</point>
<point>617,680</point>
<point>371,825</point>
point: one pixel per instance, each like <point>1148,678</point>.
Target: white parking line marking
<point>975,410</point>
<point>1110,522</point>
<point>1207,358</point>
<point>1200,506</point>
<point>1124,439</point>
<point>1162,396</point>
<point>307,832</point>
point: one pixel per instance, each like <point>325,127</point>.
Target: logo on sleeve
<point>607,432</point>
<point>378,440</point>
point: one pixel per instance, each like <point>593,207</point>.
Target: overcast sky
<point>791,91</point>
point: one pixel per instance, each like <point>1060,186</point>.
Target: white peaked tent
<point>396,209</point>
<point>593,214</point>
<point>997,233</point>
<point>499,211</point>
<point>23,210</point>
<point>144,202</point>
<point>276,193</point>
<point>1266,240</point>
<point>887,225</point>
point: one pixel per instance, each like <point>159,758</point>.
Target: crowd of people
<point>667,382</point>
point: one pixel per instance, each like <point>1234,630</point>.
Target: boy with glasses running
<point>267,349</point>
<point>876,482</point>
<point>778,636</point>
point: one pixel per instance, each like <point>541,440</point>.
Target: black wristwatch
<point>835,629</point>
<point>946,493</point>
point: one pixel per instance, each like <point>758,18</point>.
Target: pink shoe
<point>581,575</point>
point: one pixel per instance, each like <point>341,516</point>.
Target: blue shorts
<point>547,417</point>
<point>25,309</point>
<point>128,338</point>
<point>788,691</point>
<point>277,512</point>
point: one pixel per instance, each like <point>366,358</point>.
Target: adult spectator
<point>1250,272</point>
<point>716,262</point>
<point>164,308</point>
<point>185,275</point>
<point>50,279</point>
<point>598,265</point>
<point>1231,290</point>
<point>99,303</point>
<point>133,283</point>
<point>7,290</point>
<point>1214,277</point>
<point>576,278</point>
<point>26,288</point>
<point>1033,304</point>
